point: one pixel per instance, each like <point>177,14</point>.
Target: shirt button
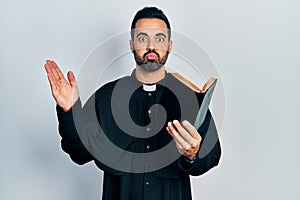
<point>149,94</point>
<point>148,129</point>
<point>148,147</point>
<point>147,183</point>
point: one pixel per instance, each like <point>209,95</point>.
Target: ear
<point>131,45</point>
<point>170,45</point>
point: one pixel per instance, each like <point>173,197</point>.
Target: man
<point>129,176</point>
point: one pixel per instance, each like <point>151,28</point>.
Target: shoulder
<point>109,86</point>
<point>107,89</point>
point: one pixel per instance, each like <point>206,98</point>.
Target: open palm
<point>65,92</point>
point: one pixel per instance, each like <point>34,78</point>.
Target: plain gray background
<point>254,44</point>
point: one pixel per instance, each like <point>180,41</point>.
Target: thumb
<point>71,78</point>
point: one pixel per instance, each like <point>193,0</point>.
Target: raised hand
<point>186,137</point>
<point>65,92</point>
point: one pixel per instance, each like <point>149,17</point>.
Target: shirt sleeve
<point>79,128</point>
<point>70,140</point>
<point>209,153</point>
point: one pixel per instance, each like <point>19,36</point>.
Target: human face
<point>151,44</point>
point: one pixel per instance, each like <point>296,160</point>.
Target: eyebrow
<point>145,34</point>
<point>141,33</point>
<point>161,34</point>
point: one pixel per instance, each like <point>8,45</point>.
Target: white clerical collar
<point>149,88</point>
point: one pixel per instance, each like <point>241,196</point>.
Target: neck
<point>149,77</point>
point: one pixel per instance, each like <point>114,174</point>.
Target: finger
<point>71,78</point>
<point>191,129</point>
<point>194,133</point>
<point>183,132</point>
<point>186,151</point>
<point>52,70</point>
<point>177,137</point>
<point>51,79</point>
<point>180,149</point>
<point>58,71</point>
<point>53,84</point>
<point>47,67</point>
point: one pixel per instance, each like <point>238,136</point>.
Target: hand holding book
<point>185,134</point>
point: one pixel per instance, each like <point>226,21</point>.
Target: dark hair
<point>150,12</point>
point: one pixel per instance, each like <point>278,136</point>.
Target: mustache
<point>151,51</point>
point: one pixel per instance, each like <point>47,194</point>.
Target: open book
<point>207,89</point>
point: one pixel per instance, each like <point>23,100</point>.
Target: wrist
<point>190,159</point>
<point>66,109</point>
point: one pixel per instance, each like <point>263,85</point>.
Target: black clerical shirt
<point>127,177</point>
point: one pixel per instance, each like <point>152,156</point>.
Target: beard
<point>150,65</point>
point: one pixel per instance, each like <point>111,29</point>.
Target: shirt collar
<point>149,87</point>
<point>158,86</point>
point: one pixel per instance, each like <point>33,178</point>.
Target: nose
<point>151,44</point>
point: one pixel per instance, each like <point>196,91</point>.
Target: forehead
<point>151,25</point>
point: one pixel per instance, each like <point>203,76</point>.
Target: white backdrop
<point>254,44</point>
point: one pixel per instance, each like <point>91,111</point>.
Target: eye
<point>142,39</point>
<point>160,39</point>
